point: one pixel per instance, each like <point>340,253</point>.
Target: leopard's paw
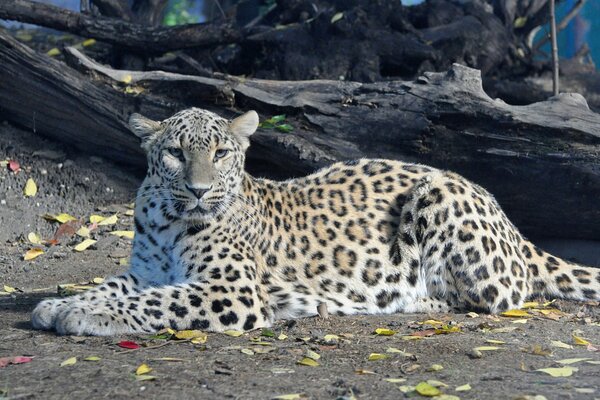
<point>85,319</point>
<point>44,314</point>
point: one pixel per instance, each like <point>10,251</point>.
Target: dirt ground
<point>250,366</point>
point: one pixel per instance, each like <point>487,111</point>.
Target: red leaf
<point>65,230</point>
<point>4,361</point>
<point>126,344</point>
<point>14,166</point>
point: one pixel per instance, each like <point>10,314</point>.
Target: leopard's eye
<point>177,153</point>
<point>221,153</point>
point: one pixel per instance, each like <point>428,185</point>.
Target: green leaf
<point>285,128</point>
<point>267,333</point>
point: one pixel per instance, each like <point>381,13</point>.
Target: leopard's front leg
<point>228,301</point>
<point>45,313</point>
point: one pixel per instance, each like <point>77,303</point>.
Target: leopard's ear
<point>144,128</point>
<point>243,127</point>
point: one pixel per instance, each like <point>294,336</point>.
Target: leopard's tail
<point>554,277</point>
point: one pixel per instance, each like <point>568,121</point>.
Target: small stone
<point>3,202</point>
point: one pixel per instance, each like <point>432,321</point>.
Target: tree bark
<point>117,31</point>
<point>541,160</point>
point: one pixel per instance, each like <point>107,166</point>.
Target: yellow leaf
<point>92,358</point>
<point>68,361</point>
<point>83,232</point>
<point>34,238</point>
<point>233,333</point>
<point>30,188</point>
<point>569,361</point>
<point>530,304</point>
<point>558,343</point>
<point>436,383</point>
<point>395,380</point>
<point>580,341</point>
<point>463,388</point>
<point>425,389</point>
<point>9,289</point>
<point>109,220</point>
<point>519,321</point>
<point>472,314</point>
<point>431,322</point>
<point>129,213</point>
<point>191,334</point>
<point>486,348</point>
<point>520,22</point>
<point>247,351</point>
<point>32,253</point>
<point>312,354</point>
<point>447,329</point>
<point>494,341</point>
<point>435,367</point>
<point>559,372</point>
<point>127,79</point>
<point>143,369</point>
<point>124,261</point>
<point>336,17</point>
<point>98,280</point>
<point>62,218</point>
<point>290,396</point>
<point>309,362</point>
<point>361,371</point>
<point>406,388</point>
<point>85,244</point>
<point>385,332</point>
<point>145,377</point>
<point>53,52</point>
<point>88,42</point>
<point>331,338</point>
<point>515,313</point>
<point>377,356</point>
<point>282,336</point>
<point>94,219</point>
<point>394,350</point>
<point>125,234</point>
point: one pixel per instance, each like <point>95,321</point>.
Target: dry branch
<point>117,31</point>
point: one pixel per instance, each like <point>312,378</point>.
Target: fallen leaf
<point>377,356</point>
<point>65,231</point>
<point>486,348</point>
<point>537,350</point>
<point>504,329</point>
<point>331,338</point>
<point>385,332</point>
<point>398,351</point>
<point>447,329</point>
<point>113,219</point>
<point>435,367</point>
<point>233,333</point>
<point>290,396</point>
<point>143,369</point>
<point>569,361</point>
<point>267,333</point>
<point>309,362</point>
<point>85,244</point>
<point>580,341</point>
<point>130,213</point>
<point>530,304</point>
<point>463,388</point>
<point>585,390</point>
<point>311,354</point>
<point>447,397</point>
<point>515,313</point>
<point>53,52</point>
<point>125,234</point>
<point>427,390</point>
<point>431,322</point>
<point>94,219</point>
<point>62,218</point>
<point>559,372</point>
<point>4,361</point>
<point>406,388</point>
<point>336,17</point>
<point>32,253</point>
<point>145,377</point>
<point>364,372</point>
<point>126,344</point>
<point>247,351</point>
<point>34,238</point>
<point>169,359</point>
<point>558,343</point>
<point>14,166</point>
<point>436,383</point>
<point>494,341</point>
<point>68,361</point>
<point>519,321</point>
<point>191,334</point>
<point>92,358</point>
<point>30,189</point>
<point>9,289</point>
<point>127,79</point>
<point>282,336</point>
<point>88,42</point>
<point>395,380</point>
<point>472,314</point>
<point>98,280</point>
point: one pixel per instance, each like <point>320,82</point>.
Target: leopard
<point>218,249</point>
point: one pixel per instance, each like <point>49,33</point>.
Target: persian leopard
<point>218,249</point>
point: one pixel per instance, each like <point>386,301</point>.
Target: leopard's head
<point>195,160</point>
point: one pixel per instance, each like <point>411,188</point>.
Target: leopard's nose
<point>197,191</point>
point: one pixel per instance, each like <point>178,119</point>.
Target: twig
<point>555,83</point>
<point>562,24</point>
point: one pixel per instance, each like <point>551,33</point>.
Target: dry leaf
<point>98,280</point>
<point>34,238</point>
<point>569,361</point>
<point>233,333</point>
<point>62,218</point>
<point>198,336</point>
<point>4,361</point>
<point>336,17</point>
<point>385,332</point>
<point>125,234</point>
<point>145,377</point>
<point>66,230</point>
<point>515,313</point>
<point>463,388</point>
<point>309,362</point>
<point>427,390</point>
<point>395,380</point>
<point>130,213</point>
<point>247,351</point>
<point>290,396</point>
<point>143,369</point>
<point>472,314</point>
<point>9,289</point>
<point>68,361</point>
<point>558,343</point>
<point>486,348</point>
<point>282,336</point>
<point>580,341</point>
<point>311,354</point>
<point>30,188</point>
<point>331,338</point>
<point>559,372</point>
<point>53,52</point>
<point>32,253</point>
<point>88,42</point>
<point>494,341</point>
<point>85,244</point>
<point>92,358</point>
<point>434,368</point>
<point>519,321</point>
<point>377,356</point>
<point>109,220</point>
<point>83,232</point>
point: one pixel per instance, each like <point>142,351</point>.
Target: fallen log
<point>541,160</point>
<point>117,31</point>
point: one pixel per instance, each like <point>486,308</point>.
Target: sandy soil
<point>82,185</point>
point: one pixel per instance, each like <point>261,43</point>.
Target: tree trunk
<point>541,160</point>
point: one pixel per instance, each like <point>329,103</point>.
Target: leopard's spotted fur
<point>217,249</point>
